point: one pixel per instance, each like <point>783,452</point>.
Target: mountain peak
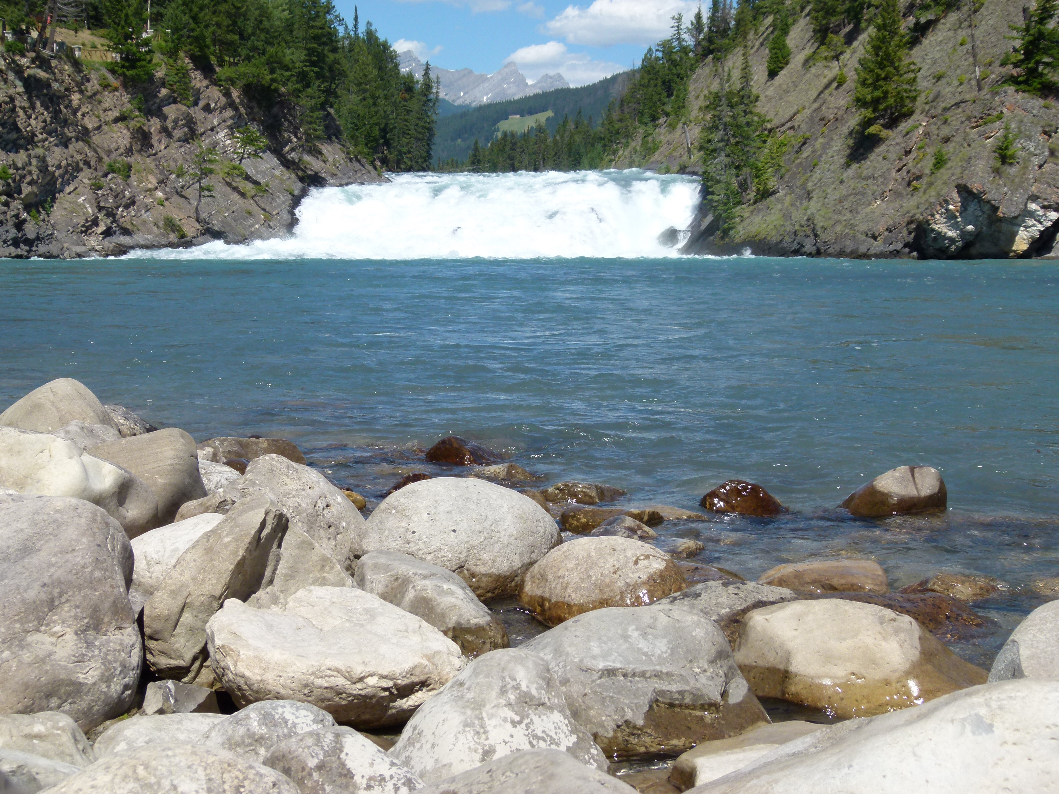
<point>470,89</point>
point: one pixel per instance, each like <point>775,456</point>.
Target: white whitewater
<point>605,214</point>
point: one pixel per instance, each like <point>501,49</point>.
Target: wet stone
<point>407,480</point>
<point>906,490</point>
<point>944,617</point>
<point>829,576</point>
<point>358,501</point>
<point>962,587</point>
<point>461,452</point>
<point>624,527</point>
<point>744,498</point>
<point>584,493</point>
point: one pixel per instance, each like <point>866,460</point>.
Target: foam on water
<point>460,216</point>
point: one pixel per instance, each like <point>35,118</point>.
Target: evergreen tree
<point>697,34</point>
<point>126,21</point>
<point>1036,56</point>
<point>886,88</point>
<point>779,53</point>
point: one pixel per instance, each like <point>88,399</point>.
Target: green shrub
<point>5,173</point>
<point>940,159</point>
<point>172,226</point>
<point>1006,153</point>
<point>840,78</point>
<point>15,47</point>
<point>120,167</point>
<point>97,184</point>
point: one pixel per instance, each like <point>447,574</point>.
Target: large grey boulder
<point>1032,650</point>
<point>532,772</point>
<point>26,773</point>
<point>157,551</point>
<point>829,576</point>
<point>160,729</point>
<point>302,563</point>
<point>40,463</point>
<point>85,435</point>
<point>501,703</point>
<point>438,596</point>
<point>48,734</point>
<point>165,460</point>
<point>364,661</point>
<point>488,534</point>
<point>176,770</point>
<point>68,637</point>
<point>231,561</point>
<point>340,761</point>
<point>848,658</point>
<point>253,732</point>
<point>722,601</point>
<point>128,423</point>
<point>998,737</point>
<point>906,490</point>
<point>55,405</point>
<point>649,679</point>
<point>216,475</point>
<point>592,573</point>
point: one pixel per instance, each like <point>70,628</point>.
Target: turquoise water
<point>661,376</point>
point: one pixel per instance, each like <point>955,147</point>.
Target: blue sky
<point>585,41</point>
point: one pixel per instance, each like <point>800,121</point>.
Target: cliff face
<point>88,174</point>
<point>838,196</point>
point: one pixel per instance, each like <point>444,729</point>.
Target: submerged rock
<point>848,658</point>
<point>829,576</point>
<point>1032,650</point>
<point>226,448</point>
<point>592,573</point>
<point>55,405</point>
<point>624,526</point>
<point>505,472</point>
<point>461,452</point>
<point>963,587</point>
<point>744,498</point>
<point>501,703</point>
<point>906,490</point>
<point>584,493</point>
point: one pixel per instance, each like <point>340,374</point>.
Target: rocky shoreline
<point>220,617</point>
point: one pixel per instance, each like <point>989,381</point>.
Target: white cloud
<point>422,52</point>
<point>577,67</point>
<point>618,21</point>
<point>531,9</point>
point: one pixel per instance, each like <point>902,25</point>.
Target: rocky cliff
<point>839,195</point>
<point>86,171</point>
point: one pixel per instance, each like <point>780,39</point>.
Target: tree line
<point>294,55</point>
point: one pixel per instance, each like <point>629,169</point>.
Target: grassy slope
<point>839,198</point>
<point>522,123</point>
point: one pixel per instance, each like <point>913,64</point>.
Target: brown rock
<point>223,448</point>
<point>239,464</point>
<point>584,493</point>
<point>648,516</point>
<point>962,587</point>
<point>906,490</point>
<point>505,472</point>
<point>536,497</point>
<point>461,452</point>
<point>408,479</point>
<point>593,573</point>
<point>696,573</point>
<point>829,576</point>
<point>674,513</point>
<point>744,498</point>
<point>582,520</point>
<point>1049,586</point>
<point>358,501</point>
<point>944,617</point>
<point>624,527</point>
<point>686,549</point>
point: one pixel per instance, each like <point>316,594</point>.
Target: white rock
<point>48,734</point>
<point>253,732</point>
<point>55,405</point>
<point>157,551</point>
<point>85,435</point>
<point>340,761</point>
<point>488,534</point>
<point>215,475</point>
<point>532,772</point>
<point>501,703</point>
<point>167,730</point>
<point>364,661</point>
<point>30,773</point>
<point>1032,650</point>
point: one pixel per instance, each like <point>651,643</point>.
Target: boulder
<point>946,618</point>
<point>253,732</point>
<point>216,475</point>
<point>85,436</point>
<point>488,534</point>
<point>167,730</point>
<point>501,703</point>
<point>408,479</point>
<point>592,573</point>
<point>364,661</point>
<point>436,595</point>
<point>218,450</point>
<point>176,770</point>
<point>55,405</point>
<point>712,760</point>
<point>727,602</point>
<point>461,452</point>
<point>128,423</point>
<point>505,472</point>
<point>998,737</point>
<point>157,551</point>
<point>829,576</point>
<point>963,587</point>
<point>1032,650</point>
<point>648,680</point>
<point>906,490</point>
<point>49,735</point>
<point>684,549</point>
<point>848,658</point>
<point>532,772</point>
<point>624,526</point>
<point>25,773</point>
<point>669,513</point>
<point>173,697</point>
<point>582,520</point>
<point>697,573</point>
<point>68,638</point>
<point>40,463</point>
<point>340,761</point>
<point>743,498</point>
<point>302,563</point>
<point>165,460</point>
<point>231,561</point>
<point>584,493</point>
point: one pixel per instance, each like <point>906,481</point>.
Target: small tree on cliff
<point>886,89</point>
<point>1036,56</point>
<point>779,53</point>
<point>202,162</point>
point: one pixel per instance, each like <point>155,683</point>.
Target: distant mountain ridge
<point>470,89</point>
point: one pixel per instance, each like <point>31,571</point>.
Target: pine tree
<point>886,88</point>
<point>126,20</point>
<point>1036,56</point>
<point>779,53</point>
